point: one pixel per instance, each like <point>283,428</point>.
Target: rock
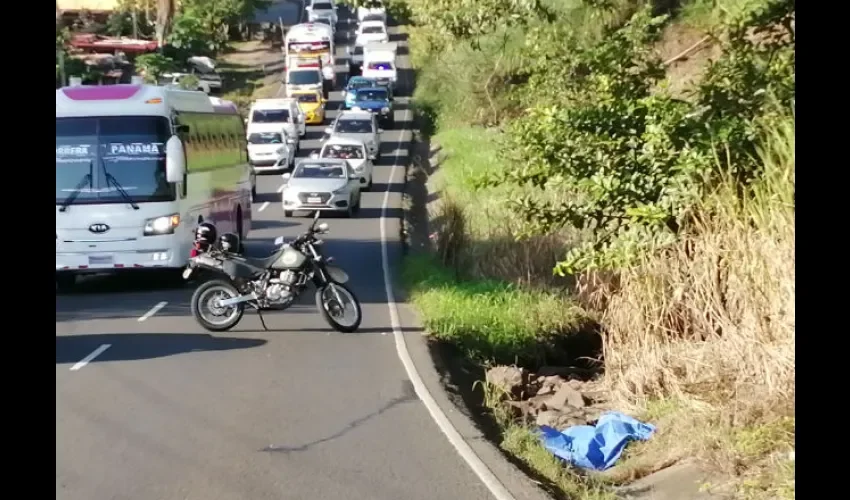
<point>592,414</point>
<point>519,408</point>
<point>549,417</point>
<point>566,395</point>
<point>511,379</point>
<point>538,403</point>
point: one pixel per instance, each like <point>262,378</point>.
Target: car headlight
<point>281,151</point>
<point>162,225</point>
<point>385,110</point>
<point>341,190</point>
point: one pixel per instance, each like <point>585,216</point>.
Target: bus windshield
<point>130,148</point>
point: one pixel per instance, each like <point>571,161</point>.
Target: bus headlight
<point>162,225</point>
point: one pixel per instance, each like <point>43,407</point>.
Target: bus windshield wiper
<point>87,179</point>
<point>110,179</point>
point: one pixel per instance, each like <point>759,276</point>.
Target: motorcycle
<point>272,283</point>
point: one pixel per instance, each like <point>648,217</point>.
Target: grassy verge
<point>699,334</point>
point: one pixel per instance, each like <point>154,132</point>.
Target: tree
<point>164,19</point>
<point>152,66</point>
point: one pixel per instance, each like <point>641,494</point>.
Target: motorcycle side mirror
<point>278,241</point>
<point>329,130</point>
<point>286,177</point>
<point>323,227</point>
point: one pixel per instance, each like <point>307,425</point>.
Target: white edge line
<point>97,352</point>
<point>264,206</point>
<point>155,309</point>
<point>464,450</point>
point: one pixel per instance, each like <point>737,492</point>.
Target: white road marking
<point>155,309</point>
<point>264,206</point>
<point>481,470</point>
<point>97,352</point>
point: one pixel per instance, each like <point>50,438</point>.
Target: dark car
<point>376,99</point>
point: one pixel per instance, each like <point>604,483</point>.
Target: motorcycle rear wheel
<point>206,314</point>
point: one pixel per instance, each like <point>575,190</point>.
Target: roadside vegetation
<point>625,166</point>
<point>186,28</point>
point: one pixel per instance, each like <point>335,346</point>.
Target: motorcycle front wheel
<point>208,313</point>
<point>339,307</point>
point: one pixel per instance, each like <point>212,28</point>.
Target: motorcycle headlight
<point>162,225</point>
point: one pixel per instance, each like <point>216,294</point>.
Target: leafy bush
<point>634,158</point>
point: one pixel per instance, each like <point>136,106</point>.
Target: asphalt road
<point>169,412</point>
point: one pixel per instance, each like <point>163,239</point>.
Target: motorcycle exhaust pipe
<point>237,300</point>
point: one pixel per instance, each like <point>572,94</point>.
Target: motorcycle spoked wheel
<point>207,314</point>
<point>332,311</point>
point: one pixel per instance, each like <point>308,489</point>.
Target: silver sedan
<point>321,184</point>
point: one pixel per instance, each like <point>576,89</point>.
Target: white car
<point>321,184</point>
<point>271,151</point>
<point>320,8</point>
<point>325,19</point>
<point>374,7</point>
<point>354,152</point>
<point>371,32</point>
<point>360,126</point>
<point>285,113</point>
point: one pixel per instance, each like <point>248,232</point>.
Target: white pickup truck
<point>379,62</point>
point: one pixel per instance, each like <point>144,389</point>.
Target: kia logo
<point>98,228</point>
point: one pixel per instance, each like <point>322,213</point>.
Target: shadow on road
<point>136,346</point>
<point>408,395</point>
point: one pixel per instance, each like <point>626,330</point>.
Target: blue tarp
<point>599,447</point>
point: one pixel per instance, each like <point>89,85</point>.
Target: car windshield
<point>357,50</point>
<point>382,66</point>
<point>308,98</point>
<point>323,20</point>
<point>372,17</point>
<point>304,77</point>
<point>357,84</point>
<point>343,151</point>
<point>373,30</point>
<point>270,116</point>
<point>371,95</point>
<point>265,138</point>
<point>319,171</point>
<point>322,6</point>
<point>354,126</point>
<point>131,149</point>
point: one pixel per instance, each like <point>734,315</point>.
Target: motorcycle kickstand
<point>262,321</point>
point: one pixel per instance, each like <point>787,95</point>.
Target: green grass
<point>490,320</point>
<point>523,443</point>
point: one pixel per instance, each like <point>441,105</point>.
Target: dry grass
<point>706,330</point>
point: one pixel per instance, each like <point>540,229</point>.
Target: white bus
<point>137,167</point>
<point>311,40</point>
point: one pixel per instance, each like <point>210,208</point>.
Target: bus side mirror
<point>175,160</point>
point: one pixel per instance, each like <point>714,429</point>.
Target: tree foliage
<point>469,20</point>
<point>631,159</point>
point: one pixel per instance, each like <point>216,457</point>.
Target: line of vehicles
<point>139,167</point>
<point>332,178</point>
